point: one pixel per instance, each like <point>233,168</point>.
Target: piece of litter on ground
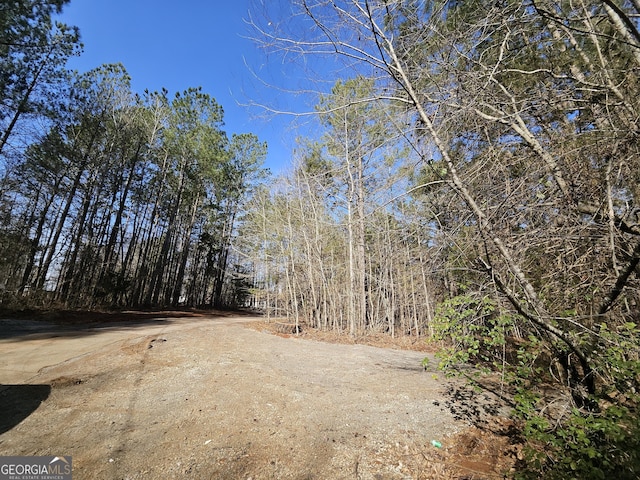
<point>207,442</point>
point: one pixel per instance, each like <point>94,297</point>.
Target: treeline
<point>337,244</point>
<point>477,183</point>
<point>474,181</point>
<point>111,198</point>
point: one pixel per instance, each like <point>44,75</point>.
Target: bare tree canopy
<point>516,127</point>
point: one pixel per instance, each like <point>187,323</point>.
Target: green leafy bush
<point>598,441</point>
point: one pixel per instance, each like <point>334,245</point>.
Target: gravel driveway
<point>208,398</point>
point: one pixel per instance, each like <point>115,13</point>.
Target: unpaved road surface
<point>209,398</point>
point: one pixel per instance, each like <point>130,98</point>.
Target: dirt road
<point>209,398</point>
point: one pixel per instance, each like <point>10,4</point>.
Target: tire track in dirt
<point>212,399</point>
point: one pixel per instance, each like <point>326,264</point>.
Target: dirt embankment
<point>208,398</point>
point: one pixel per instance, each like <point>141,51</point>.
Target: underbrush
<point>568,432</point>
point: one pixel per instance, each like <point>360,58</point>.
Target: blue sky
<point>177,45</point>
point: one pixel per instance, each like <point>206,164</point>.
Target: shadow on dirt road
<point>206,397</point>
<point>27,346</point>
<point>17,402</point>
<point>77,323</point>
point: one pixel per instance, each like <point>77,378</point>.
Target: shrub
<point>598,440</point>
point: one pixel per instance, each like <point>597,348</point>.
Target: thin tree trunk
<point>65,286</point>
<point>177,288</point>
<point>53,244</point>
<point>23,104</point>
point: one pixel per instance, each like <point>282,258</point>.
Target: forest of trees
<point>109,198</point>
<point>472,182</point>
<point>476,182</point>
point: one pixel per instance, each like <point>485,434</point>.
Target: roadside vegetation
<point>471,182</point>
<point>112,198</point>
